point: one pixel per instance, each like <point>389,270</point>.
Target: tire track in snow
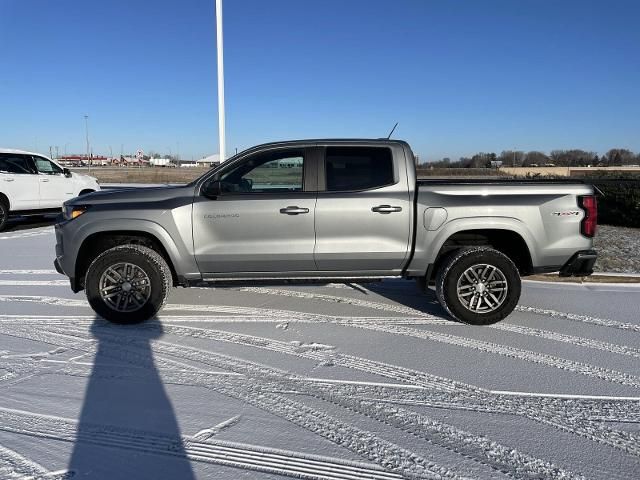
<point>571,339</point>
<point>263,312</point>
<point>344,300</point>
<point>489,347</point>
<point>470,446</point>
<point>412,377</point>
<point>364,443</point>
<point>402,374</point>
<point>453,389</point>
<point>603,322</point>
<point>262,459</point>
<point>197,307</point>
<point>15,466</point>
<point>601,373</point>
<point>533,412</point>
<point>396,373</point>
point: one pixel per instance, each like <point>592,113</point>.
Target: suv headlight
<point>69,212</point>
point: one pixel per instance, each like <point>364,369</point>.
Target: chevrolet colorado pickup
<point>326,211</point>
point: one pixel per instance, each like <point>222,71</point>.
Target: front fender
<point>179,254</point>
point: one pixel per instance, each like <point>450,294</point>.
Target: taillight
<point>589,223</point>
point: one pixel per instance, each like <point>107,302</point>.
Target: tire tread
<point>151,256</point>
<point>453,259</point>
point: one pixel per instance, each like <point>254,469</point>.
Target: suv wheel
<point>4,215</point>
<point>128,284</point>
<point>479,286</point>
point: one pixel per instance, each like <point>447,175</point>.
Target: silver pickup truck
<point>326,211</point>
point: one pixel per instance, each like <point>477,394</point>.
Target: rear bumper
<point>580,264</point>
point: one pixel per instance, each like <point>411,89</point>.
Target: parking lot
<point>336,381</point>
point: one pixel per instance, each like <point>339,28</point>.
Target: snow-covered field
<point>336,382</point>
<point>618,249</point>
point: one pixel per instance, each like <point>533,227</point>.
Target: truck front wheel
<point>478,285</point>
<point>128,283</point>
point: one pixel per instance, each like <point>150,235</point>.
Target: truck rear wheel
<point>128,283</point>
<point>478,285</point>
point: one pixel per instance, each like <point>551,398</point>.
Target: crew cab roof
<point>332,141</point>
<point>323,141</point>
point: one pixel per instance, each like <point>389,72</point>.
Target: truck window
<point>358,168</point>
<point>267,173</point>
<point>19,164</point>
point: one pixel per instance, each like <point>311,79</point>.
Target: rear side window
<point>10,163</point>
<point>358,168</point>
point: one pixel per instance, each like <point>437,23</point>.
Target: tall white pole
<point>220,80</point>
<point>86,125</point>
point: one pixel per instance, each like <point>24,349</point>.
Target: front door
<point>262,221</point>
<point>363,216</point>
<point>55,188</point>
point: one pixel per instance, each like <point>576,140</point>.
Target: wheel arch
<point>98,242</point>
<point>510,238</point>
<point>5,199</point>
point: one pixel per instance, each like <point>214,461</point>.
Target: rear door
<point>19,181</point>
<point>263,221</point>
<point>363,215</point>
<point>55,188</point>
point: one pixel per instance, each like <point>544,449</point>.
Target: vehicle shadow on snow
<point>25,223</point>
<point>407,293</point>
<point>127,407</point>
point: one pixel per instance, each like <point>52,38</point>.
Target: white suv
<point>32,184</point>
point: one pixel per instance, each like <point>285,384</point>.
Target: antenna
<point>392,130</point>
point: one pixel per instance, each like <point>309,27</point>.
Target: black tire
<point>452,274</point>
<point>150,262</point>
<point>4,215</point>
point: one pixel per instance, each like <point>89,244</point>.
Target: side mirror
<point>66,172</point>
<point>212,189</point>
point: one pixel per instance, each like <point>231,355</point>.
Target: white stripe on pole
<point>220,80</point>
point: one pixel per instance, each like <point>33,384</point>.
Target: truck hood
<point>133,195</point>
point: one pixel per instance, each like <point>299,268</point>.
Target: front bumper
<point>58,268</point>
<point>580,264</point>
<point>61,262</point>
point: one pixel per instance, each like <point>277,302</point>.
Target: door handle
<point>9,179</point>
<point>294,210</point>
<point>384,209</point>
<point>44,180</point>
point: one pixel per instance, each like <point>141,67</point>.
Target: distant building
<point>496,163</point>
<point>210,161</point>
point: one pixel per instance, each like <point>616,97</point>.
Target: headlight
<point>69,212</point>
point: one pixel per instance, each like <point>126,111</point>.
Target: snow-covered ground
<point>340,382</point>
<point>618,249</point>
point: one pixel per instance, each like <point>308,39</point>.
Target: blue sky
<point>460,76</point>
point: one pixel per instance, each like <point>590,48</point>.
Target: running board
<point>233,281</point>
